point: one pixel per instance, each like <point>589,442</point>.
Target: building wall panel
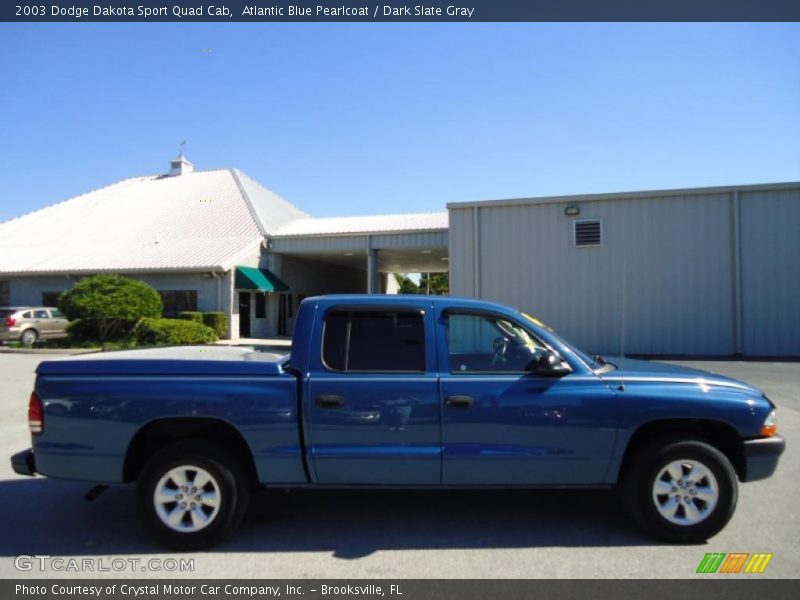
<point>770,232</point>
<point>671,256</point>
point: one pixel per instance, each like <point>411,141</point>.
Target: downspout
<point>476,253</point>
<point>738,310</point>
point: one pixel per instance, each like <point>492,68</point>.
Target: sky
<point>348,119</point>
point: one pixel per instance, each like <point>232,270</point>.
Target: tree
<point>407,286</point>
<point>107,307</point>
<point>435,284</point>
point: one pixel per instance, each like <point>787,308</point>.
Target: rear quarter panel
<point>91,420</point>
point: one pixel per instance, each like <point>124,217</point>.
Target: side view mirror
<point>550,364</point>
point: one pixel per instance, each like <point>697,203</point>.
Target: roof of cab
<point>389,299</point>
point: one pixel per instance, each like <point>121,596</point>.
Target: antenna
<point>622,320</point>
<point>183,143</point>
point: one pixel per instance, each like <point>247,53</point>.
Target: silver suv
<point>30,323</point>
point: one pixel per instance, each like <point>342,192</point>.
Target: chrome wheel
<point>29,337</point>
<point>685,492</point>
<point>187,499</point>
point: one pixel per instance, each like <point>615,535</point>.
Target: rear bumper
<point>24,463</point>
<point>761,457</point>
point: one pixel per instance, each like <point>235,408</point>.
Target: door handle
<point>460,401</point>
<point>330,401</point>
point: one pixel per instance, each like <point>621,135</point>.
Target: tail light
<point>35,414</point>
<point>10,321</point>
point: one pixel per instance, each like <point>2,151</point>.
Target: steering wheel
<point>499,350</point>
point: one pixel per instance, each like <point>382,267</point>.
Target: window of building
<point>261,306</point>
<point>50,298</point>
<point>177,301</point>
<point>375,341</point>
<point>489,344</point>
<point>5,292</point>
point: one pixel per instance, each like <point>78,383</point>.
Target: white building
<point>706,271</point>
<point>211,241</point>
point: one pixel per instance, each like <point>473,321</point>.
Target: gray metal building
<point>706,271</point>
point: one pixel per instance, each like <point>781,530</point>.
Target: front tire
<point>192,495</point>
<point>681,491</point>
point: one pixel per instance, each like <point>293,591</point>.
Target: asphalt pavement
<point>395,534</point>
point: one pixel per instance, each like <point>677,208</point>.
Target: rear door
<point>42,322</point>
<point>372,397</point>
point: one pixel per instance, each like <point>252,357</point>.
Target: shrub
<point>218,321</point>
<point>108,306</point>
<point>191,315</point>
<point>172,332</point>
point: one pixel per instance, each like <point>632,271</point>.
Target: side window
<point>27,315</point>
<point>488,344</point>
<point>50,298</point>
<point>40,314</point>
<point>57,314</point>
<point>374,341</point>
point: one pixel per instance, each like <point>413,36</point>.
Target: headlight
<point>770,425</point>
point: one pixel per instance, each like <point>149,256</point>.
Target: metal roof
<point>403,223</point>
<point>643,195</point>
<point>196,221</point>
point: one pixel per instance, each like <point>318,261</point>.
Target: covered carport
<point>354,254</point>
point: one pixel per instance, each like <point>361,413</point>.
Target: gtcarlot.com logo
<point>47,563</point>
<point>735,562</point>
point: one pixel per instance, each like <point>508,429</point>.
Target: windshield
<point>593,362</point>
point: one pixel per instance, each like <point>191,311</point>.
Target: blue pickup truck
<point>404,391</point>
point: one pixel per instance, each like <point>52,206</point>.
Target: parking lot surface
<point>397,534</point>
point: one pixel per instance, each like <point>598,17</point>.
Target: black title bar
<point>743,588</point>
<point>420,11</point>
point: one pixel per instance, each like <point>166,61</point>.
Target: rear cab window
<point>374,341</point>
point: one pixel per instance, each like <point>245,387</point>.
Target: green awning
<point>251,278</point>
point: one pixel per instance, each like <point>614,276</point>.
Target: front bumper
<point>761,457</point>
<point>24,463</point>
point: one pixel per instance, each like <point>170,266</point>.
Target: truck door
<point>503,425</point>
<point>372,400</point>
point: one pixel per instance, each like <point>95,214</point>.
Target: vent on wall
<point>588,233</point>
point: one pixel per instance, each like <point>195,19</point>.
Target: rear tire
<point>192,495</point>
<point>28,337</point>
<point>681,491</point>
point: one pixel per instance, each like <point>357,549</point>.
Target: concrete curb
<point>4,350</point>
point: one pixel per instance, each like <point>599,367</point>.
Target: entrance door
<point>244,314</point>
<point>502,424</point>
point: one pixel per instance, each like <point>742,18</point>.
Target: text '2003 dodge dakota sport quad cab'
<point>403,391</point>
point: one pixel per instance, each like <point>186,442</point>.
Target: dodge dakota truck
<point>398,392</point>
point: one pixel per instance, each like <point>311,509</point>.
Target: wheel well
<point>716,433</point>
<point>157,434</point>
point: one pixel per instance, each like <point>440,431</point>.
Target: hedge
<point>172,332</point>
<point>218,321</point>
<point>191,315</point>
<point>108,306</point>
